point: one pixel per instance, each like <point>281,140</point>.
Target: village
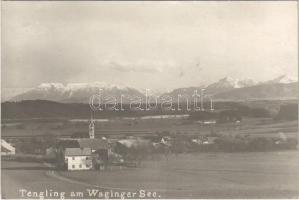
<point>88,151</point>
<point>116,156</point>
<point>91,153</point>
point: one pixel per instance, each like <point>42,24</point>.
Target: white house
<point>78,158</point>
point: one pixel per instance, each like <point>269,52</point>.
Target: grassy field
<point>34,177</point>
<point>204,175</point>
<point>220,175</point>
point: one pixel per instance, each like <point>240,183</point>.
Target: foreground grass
<point>207,175</point>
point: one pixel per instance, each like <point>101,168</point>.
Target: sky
<point>156,45</point>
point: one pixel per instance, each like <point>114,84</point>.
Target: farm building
<point>78,158</point>
<point>97,149</point>
<point>100,150</point>
<point>94,144</point>
<point>6,148</point>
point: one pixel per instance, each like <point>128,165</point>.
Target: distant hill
<point>41,110</point>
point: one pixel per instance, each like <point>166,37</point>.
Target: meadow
<point>201,175</point>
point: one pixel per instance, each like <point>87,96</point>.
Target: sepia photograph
<point>149,100</point>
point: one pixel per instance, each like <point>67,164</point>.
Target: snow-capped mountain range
<point>81,92</point>
<point>80,86</point>
<point>228,83</point>
<point>231,82</point>
<point>75,92</point>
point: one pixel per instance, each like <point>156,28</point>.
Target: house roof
<point>68,143</point>
<point>77,152</point>
<point>94,144</point>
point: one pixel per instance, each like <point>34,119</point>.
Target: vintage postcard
<point>149,100</point>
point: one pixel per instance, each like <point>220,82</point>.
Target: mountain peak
<point>229,82</point>
<point>50,86</point>
<point>283,79</point>
<point>80,86</point>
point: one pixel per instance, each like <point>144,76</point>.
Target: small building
<point>78,151</point>
<point>100,150</point>
<point>204,140</point>
<point>7,149</point>
<point>78,158</point>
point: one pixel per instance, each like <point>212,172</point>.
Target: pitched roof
<point>94,144</point>
<point>68,143</point>
<point>7,146</point>
<point>77,152</point>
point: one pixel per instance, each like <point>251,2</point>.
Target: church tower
<point>91,128</point>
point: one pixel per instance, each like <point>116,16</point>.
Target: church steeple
<point>91,128</point>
